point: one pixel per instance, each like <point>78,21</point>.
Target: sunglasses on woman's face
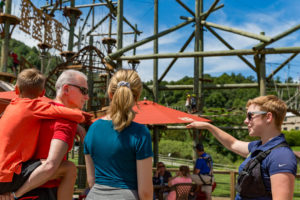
<point>161,166</point>
<point>250,114</point>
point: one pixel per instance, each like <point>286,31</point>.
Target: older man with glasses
<point>56,139</point>
<point>269,169</point>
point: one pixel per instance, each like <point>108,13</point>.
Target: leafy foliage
<point>225,107</point>
<point>292,137</point>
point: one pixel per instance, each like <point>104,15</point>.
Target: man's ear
<point>269,117</point>
<point>17,90</point>
<point>42,93</point>
<point>65,89</point>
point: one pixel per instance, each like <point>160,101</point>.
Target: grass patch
<point>295,148</point>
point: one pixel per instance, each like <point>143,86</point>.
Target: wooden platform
<point>7,77</point>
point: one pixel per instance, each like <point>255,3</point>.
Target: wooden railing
<point>232,175</point>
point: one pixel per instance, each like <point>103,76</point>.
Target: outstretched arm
<point>231,143</point>
<point>45,110</point>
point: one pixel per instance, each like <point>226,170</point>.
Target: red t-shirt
<point>19,130</point>
<point>15,58</point>
<point>54,129</point>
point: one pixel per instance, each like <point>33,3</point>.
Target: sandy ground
<point>220,198</point>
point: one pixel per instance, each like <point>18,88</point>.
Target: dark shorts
<point>19,179</point>
<point>40,194</point>
<point>15,65</point>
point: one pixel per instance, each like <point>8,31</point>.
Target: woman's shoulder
<point>283,152</point>
<point>101,121</point>
<point>139,127</point>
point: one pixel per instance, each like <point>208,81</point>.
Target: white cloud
<point>252,20</point>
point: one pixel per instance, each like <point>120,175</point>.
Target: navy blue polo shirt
<point>281,159</point>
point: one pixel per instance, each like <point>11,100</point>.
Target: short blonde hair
<point>273,104</point>
<point>124,97</point>
<point>31,82</point>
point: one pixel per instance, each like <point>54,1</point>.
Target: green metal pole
<point>5,41</point>
<point>109,26</point>
<point>260,62</point>
<point>155,79</point>
<point>175,59</point>
<point>277,37</point>
<point>237,31</point>
<point>262,72</point>
<point>90,70</point>
<point>223,86</point>
<point>119,29</point>
<point>199,95</point>
<point>139,43</point>
<point>135,39</point>
<point>72,29</point>
<point>282,65</point>
<point>230,47</point>
<point>198,63</point>
<point>235,52</point>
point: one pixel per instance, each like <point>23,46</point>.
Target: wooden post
<point>155,80</point>
<point>232,185</point>
<point>119,29</point>
<point>5,41</point>
<point>155,145</point>
<point>72,29</point>
<point>90,70</point>
<point>260,62</point>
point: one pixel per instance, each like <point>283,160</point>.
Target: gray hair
<point>67,77</point>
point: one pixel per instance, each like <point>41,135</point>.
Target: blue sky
<point>255,16</point>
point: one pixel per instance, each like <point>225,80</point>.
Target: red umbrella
<point>151,113</point>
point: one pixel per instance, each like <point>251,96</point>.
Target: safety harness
<point>208,161</point>
<point>250,182</point>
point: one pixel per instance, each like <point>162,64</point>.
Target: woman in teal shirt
<point>118,151</point>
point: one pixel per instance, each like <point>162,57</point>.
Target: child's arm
<point>47,169</point>
<point>45,110</point>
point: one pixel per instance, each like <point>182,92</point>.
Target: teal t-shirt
<point>115,153</point>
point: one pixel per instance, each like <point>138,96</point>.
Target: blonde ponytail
<point>125,87</point>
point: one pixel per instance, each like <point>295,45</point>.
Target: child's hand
<point>7,196</point>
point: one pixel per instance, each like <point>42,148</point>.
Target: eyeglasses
<point>250,114</point>
<point>83,90</point>
<point>161,166</point>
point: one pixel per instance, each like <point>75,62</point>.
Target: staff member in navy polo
<point>203,171</point>
<point>265,115</point>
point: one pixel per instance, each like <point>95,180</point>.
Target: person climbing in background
<point>16,62</point>
<point>188,103</point>
<point>2,4</point>
<point>193,103</point>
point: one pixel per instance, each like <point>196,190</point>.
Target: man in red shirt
<point>16,62</point>
<point>55,140</point>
